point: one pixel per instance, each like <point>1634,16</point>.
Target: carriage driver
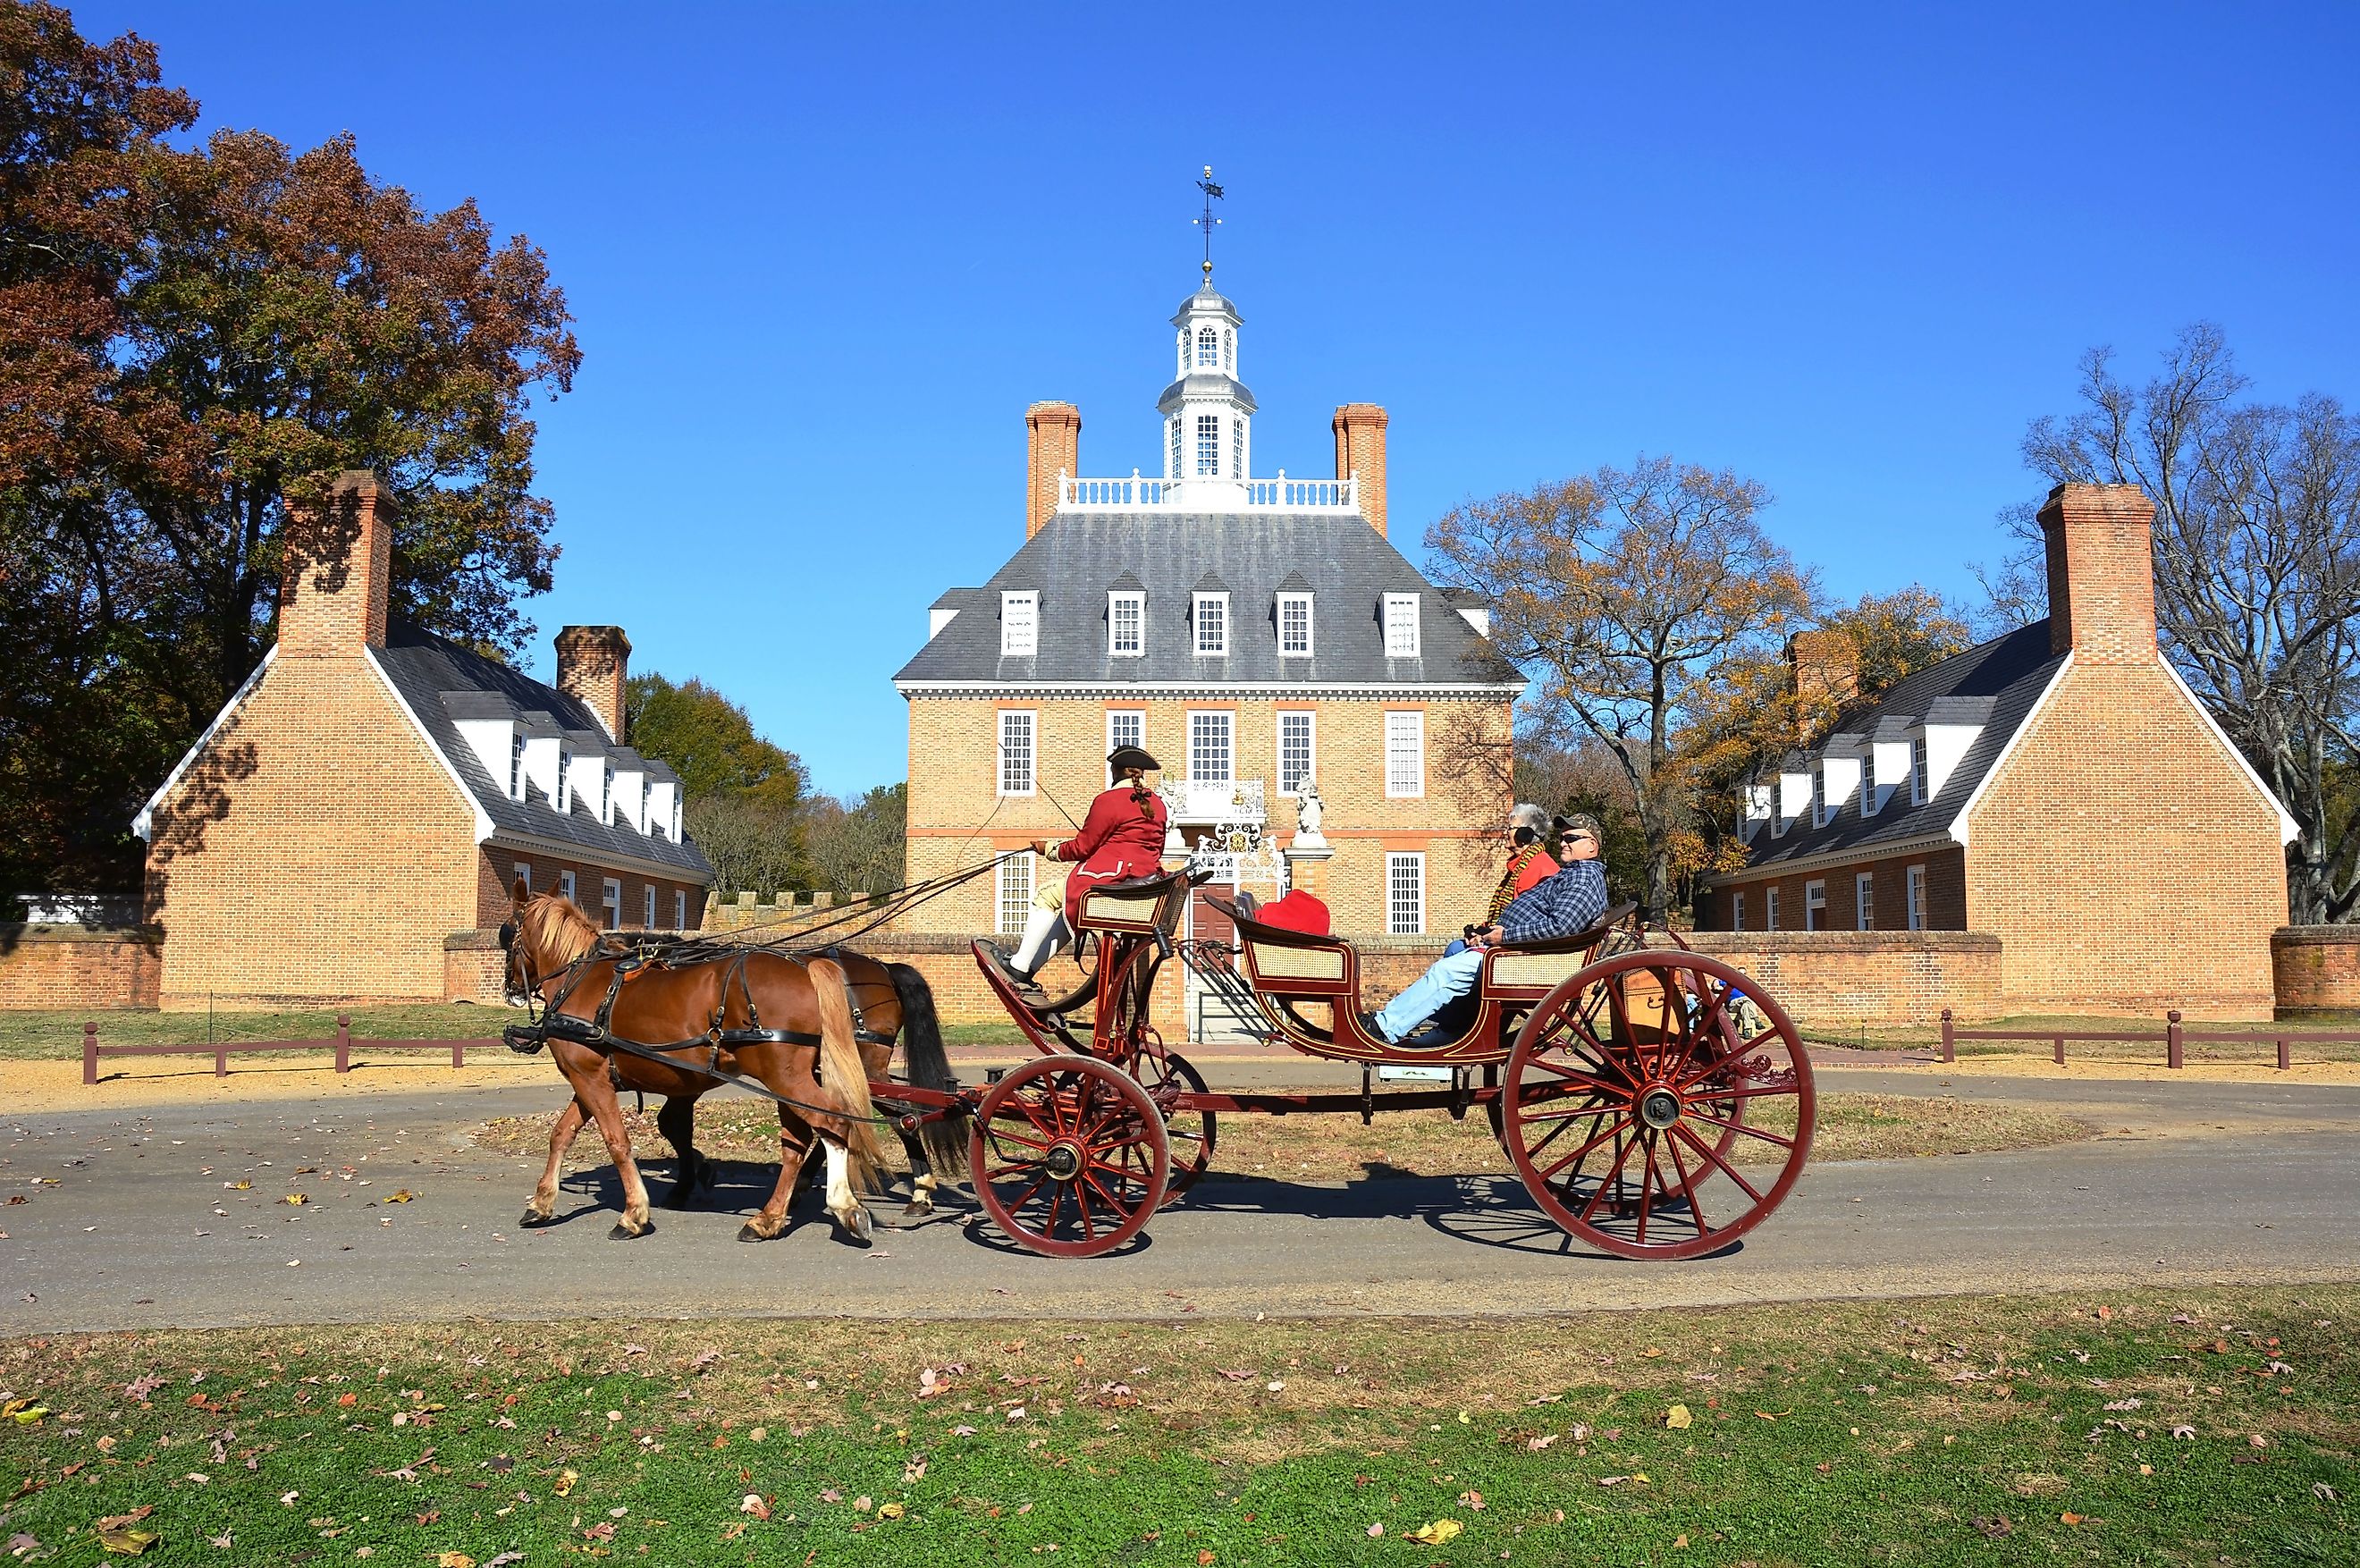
<point>1564,904</point>
<point>1121,837</point>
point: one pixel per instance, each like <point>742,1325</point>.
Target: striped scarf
<point>1504,894</point>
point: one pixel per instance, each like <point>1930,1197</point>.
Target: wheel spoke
<point>1688,1188</point>
<point>1550,1174</point>
<point>1723,1166</point>
<point>1735,1054</point>
<point>1613,1174</point>
<point>1742,1127</point>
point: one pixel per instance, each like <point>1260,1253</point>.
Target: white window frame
<point>1409,724</point>
<point>1208,349</point>
<point>1219,623</point>
<point>1172,468</point>
<point>1401,626</point>
<point>1012,887</point>
<point>1031,726</point>
<point>1863,901</point>
<point>524,874</point>
<point>1915,898</point>
<point>1737,909</point>
<point>1820,815</point>
<point>607,794</point>
<point>1286,602</point>
<point>611,902</point>
<point>1815,904</point>
<point>1770,907</point>
<point>648,908</point>
<point>1229,349</point>
<point>1019,623</point>
<point>1113,740</point>
<point>516,781</point>
<point>680,909</point>
<point>1208,446</point>
<point>1396,863</point>
<point>1917,769</point>
<point>1236,447</point>
<point>566,888</point>
<point>1228,725</point>
<point>1117,603</point>
<point>1310,721</point>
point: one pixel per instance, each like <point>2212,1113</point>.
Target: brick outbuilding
<point>2060,788</point>
<point>348,827</point>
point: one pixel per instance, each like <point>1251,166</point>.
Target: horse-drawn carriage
<point>1652,1103</point>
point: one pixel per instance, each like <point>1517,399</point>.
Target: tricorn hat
<point>1123,757</point>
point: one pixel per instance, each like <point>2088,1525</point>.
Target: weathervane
<point>1208,221</point>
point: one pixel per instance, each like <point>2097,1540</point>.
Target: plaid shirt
<point>1563,905</point>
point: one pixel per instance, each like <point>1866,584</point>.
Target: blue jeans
<point>1450,978</point>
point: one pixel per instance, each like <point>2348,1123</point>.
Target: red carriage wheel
<point>1069,1156</point>
<point>1166,1075</point>
<point>1643,1120</point>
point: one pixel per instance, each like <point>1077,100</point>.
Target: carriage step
<point>1415,1074</point>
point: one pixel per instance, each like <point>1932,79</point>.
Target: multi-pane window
<point>1209,443</point>
<point>1864,899</point>
<point>679,910</point>
<point>1213,624</point>
<point>1916,894</point>
<point>1127,624</point>
<point>1815,905</point>
<point>1294,751</point>
<point>516,767</point>
<point>1401,626</point>
<point>524,874</point>
<point>1294,623</point>
<point>1769,909</point>
<point>607,791</point>
<point>1172,427</point>
<point>1013,894</point>
<point>1125,727</point>
<point>1820,816</point>
<point>1237,449</point>
<point>610,904</point>
<point>1917,774</point>
<point>1737,910</point>
<point>1212,756</point>
<point>1020,625</point>
<point>1015,751</point>
<point>1405,752</point>
<point>648,918</point>
<point>1208,349</point>
<point>1406,895</point>
<point>565,887</point>
<point>1229,349</point>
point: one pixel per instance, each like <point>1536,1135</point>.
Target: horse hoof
<point>533,1220</point>
<point>917,1212</point>
<point>859,1226</point>
<point>622,1233</point>
<point>747,1233</point>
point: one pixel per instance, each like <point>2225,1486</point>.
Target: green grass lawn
<point>2212,1427</point>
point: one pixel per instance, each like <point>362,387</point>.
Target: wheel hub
<point>1659,1108</point>
<point>1064,1161</point>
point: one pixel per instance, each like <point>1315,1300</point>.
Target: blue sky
<point>821,259</point>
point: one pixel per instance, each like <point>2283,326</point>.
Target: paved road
<point>2188,1183</point>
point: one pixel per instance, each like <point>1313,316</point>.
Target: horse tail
<point>845,1075</point>
<point>929,1066</point>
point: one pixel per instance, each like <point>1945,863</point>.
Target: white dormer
<point>1888,772</point>
<point>1758,804</point>
<point>660,795</point>
<point>1019,624</point>
<point>1840,777</point>
<point>1794,798</point>
<point>494,743</point>
<point>1951,727</point>
<point>631,794</point>
<point>936,619</point>
<point>541,762</point>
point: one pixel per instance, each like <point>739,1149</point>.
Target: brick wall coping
<point>2336,936</point>
<point>1845,941</point>
<point>481,939</point>
<point>13,932</point>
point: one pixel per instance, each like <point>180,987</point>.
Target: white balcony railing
<point>1224,800</point>
<point>1143,493</point>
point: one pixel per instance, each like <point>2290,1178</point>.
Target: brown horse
<point>853,1006</point>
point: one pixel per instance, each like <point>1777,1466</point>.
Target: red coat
<point>1117,842</point>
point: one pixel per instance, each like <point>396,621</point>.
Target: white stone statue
<point>1308,813</point>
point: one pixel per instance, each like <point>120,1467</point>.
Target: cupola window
<point>1209,443</point>
<point>1173,467</point>
<point>1229,349</point>
<point>1208,350</point>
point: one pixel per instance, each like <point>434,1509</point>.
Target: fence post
<point>458,1053</point>
<point>2286,1054</point>
<point>2173,1056</point>
<point>344,1042</point>
<point>221,1058</point>
<point>90,1052</point>
<point>2060,1050</point>
<point>1950,1047</point>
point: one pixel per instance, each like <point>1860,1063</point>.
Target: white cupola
<point>1208,412</point>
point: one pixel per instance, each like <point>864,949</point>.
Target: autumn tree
<point>2257,575</point>
<point>742,795</point>
<point>1625,594</point>
<point>190,340</point>
<point>855,844</point>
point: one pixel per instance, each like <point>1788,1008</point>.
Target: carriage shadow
<point>1489,1210</point>
<point>736,1189</point>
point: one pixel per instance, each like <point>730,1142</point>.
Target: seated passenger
<point>1565,904</point>
<point>1528,862</point>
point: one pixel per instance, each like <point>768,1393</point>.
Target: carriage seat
<point>1139,906</point>
<point>1526,971</point>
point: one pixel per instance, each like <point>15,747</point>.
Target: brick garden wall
<point>1829,979</point>
<point>79,966</point>
<point>2316,970</point>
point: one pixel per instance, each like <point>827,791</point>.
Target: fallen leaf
<point>2322,1491</point>
<point>1376,1530</point>
<point>2187,1432</point>
<point>505,1560</point>
<point>753,1503</point>
<point>1437,1532</point>
<point>891,1510</point>
<point>399,1195</point>
<point>237,1186</point>
<point>140,1387</point>
<point>296,1198</point>
<point>565,1480</point>
<point>129,1543</point>
<point>2072,1519</point>
<point>24,1411</point>
<point>117,1521</point>
<point>1679,1418</point>
<point>1996,1527</point>
<point>454,1560</point>
<point>22,1542</point>
<point>1472,1501</point>
<point>1205,1558</point>
<point>1679,1540</point>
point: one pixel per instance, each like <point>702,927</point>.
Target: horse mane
<point>557,930</point>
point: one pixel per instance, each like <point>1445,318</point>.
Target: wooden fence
<point>221,1050</point>
<point>2174,1039</point>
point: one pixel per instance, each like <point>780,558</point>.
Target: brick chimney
<point>2100,572</point>
<point>1826,669</point>
<point>1053,440</point>
<point>593,662</point>
<point>338,570</point>
<point>1361,449</point>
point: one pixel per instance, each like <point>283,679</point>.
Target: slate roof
<point>1994,685</point>
<point>1077,557</point>
<point>442,681</point>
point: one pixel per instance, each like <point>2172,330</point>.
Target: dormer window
<point>1212,625</point>
<point>1401,626</point>
<point>1208,349</point>
<point>1820,815</point>
<point>607,791</point>
<point>1918,769</point>
<point>1020,625</point>
<point>1126,624</point>
<point>1295,625</point>
<point>516,767</point>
